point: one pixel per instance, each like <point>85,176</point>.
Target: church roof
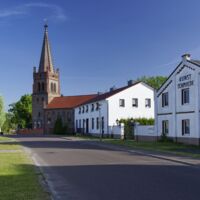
<point>69,101</point>
<point>46,63</point>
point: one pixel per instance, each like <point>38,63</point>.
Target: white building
<point>178,103</point>
<point>136,100</point>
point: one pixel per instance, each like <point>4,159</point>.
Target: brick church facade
<point>47,102</point>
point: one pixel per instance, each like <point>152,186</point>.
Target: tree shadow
<point>116,182</point>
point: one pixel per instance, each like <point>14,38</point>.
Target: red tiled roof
<point>69,101</point>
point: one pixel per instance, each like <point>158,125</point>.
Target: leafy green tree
<point>2,114</point>
<point>153,81</point>
<point>22,111</point>
<point>8,125</point>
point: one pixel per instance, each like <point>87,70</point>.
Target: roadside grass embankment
<point>158,146</point>
<point>19,179</point>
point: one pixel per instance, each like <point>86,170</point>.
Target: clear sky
<point>96,43</point>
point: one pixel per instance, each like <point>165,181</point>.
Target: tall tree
<point>153,81</point>
<point>22,111</point>
<point>2,114</point>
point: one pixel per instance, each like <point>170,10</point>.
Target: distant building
<point>100,114</point>
<point>47,102</point>
<point>178,103</point>
<point>93,113</point>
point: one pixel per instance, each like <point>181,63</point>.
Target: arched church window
<point>39,87</point>
<point>54,87</point>
<point>51,87</point>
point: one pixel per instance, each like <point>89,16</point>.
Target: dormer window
<point>97,106</point>
<point>86,110</point>
<point>92,107</point>
<point>83,109</point>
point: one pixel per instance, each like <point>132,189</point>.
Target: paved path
<point>78,169</point>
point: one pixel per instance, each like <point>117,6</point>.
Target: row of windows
<point>84,109</point>
<point>135,102</point>
<point>93,122</point>
<point>185,127</point>
<point>185,97</point>
<point>96,106</point>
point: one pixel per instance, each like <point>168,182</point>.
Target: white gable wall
<point>139,91</point>
<point>175,112</point>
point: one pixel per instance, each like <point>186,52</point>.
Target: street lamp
<point>100,125</point>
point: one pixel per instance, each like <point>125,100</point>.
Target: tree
<point>22,111</point>
<point>153,81</point>
<point>2,114</point>
<point>59,129</point>
<point>8,123</point>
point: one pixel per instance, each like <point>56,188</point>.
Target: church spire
<point>46,63</point>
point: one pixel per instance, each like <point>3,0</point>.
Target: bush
<point>129,124</point>
<point>59,128</point>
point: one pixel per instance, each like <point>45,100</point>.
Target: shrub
<point>129,124</point>
<point>59,128</point>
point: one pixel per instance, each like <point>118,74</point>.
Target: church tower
<point>46,83</point>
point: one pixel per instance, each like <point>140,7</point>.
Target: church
<point>135,100</point>
<point>47,102</point>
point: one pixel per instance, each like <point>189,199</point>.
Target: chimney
<point>130,82</point>
<point>185,57</point>
<point>112,89</point>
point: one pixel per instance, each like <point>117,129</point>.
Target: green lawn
<point>169,147</point>
<point>18,177</point>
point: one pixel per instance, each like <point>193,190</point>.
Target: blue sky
<point>96,43</point>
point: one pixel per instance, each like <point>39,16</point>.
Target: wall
<point>92,114</point>
<point>139,91</point>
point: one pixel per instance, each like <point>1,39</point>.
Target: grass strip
<point>167,147</point>
<point>18,177</point>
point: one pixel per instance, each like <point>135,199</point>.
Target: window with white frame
<point>79,110</point>
<point>185,126</point>
<point>135,102</point>
<point>165,127</point>
<point>165,99</point>
<point>122,102</point>
<point>185,96</point>
<point>148,103</point>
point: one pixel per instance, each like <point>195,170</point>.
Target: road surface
<point>79,169</point>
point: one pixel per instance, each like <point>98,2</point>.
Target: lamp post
<point>100,125</point>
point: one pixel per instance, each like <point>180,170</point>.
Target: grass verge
<point>167,147</point>
<point>18,176</point>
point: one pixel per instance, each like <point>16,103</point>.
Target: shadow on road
<point>117,182</point>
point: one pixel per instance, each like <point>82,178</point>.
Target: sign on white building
<point>100,115</point>
<point>178,103</point>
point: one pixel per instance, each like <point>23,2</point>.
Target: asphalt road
<point>78,169</point>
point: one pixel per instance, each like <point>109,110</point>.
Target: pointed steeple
<point>46,63</point>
